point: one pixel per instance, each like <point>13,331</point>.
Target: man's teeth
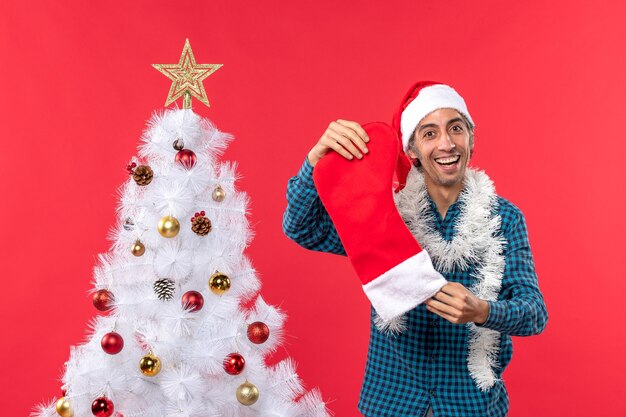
<point>447,161</point>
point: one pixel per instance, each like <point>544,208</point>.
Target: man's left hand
<point>458,305</point>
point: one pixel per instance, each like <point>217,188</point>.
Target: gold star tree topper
<point>187,78</point>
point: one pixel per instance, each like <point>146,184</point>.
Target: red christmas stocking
<point>396,274</point>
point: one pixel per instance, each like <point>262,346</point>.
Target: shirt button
<point>432,392</point>
<point>433,357</point>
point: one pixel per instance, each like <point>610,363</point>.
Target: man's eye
<point>458,128</point>
<point>429,134</point>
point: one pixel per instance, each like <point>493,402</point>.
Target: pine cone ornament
<point>143,175</point>
<point>164,289</point>
<point>200,225</point>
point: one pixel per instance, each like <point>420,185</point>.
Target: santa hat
<point>422,98</point>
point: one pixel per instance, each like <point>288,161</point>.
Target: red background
<point>544,82</point>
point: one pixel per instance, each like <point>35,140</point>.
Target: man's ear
<point>413,158</point>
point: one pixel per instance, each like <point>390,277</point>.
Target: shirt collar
<point>452,212</point>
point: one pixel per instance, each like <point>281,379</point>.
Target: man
<point>449,358</point>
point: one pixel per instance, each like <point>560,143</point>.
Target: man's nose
<point>446,143</point>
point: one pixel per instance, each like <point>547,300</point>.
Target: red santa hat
<point>422,98</point>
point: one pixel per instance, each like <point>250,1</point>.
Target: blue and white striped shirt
<point>427,364</point>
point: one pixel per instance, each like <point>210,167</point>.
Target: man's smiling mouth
<point>448,160</point>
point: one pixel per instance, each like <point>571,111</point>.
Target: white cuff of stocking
<point>404,286</point>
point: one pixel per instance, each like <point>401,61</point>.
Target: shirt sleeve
<point>305,220</point>
<point>520,309</point>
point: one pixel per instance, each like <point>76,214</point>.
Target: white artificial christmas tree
<point>176,339</point>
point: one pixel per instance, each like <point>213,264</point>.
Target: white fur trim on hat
<point>429,99</point>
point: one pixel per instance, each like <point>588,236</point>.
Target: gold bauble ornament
<point>219,194</point>
<point>150,365</point>
<point>168,226</point>
<point>219,283</point>
<point>138,248</point>
<point>247,393</point>
<point>64,408</point>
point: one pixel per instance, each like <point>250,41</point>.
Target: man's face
<point>442,145</point>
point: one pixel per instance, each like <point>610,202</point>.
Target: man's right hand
<point>342,136</point>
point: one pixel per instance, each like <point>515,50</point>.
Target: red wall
<point>544,82</point>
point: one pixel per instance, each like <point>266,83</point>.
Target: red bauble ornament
<point>102,300</point>
<point>186,158</point>
<point>102,407</point>
<point>112,343</point>
<point>234,363</point>
<point>258,332</point>
<point>192,301</point>
<point>131,167</point>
